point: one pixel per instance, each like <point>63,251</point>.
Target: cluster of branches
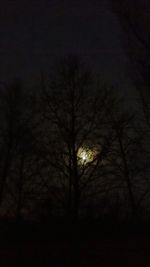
<point>42,132</point>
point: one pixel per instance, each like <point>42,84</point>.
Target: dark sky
<point>33,34</point>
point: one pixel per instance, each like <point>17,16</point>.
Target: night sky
<point>36,33</point>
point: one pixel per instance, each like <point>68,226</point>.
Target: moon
<point>85,155</point>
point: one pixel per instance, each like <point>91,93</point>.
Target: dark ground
<point>38,246</point>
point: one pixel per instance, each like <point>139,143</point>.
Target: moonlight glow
<point>85,155</point>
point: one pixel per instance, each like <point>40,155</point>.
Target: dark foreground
<point>60,246</point>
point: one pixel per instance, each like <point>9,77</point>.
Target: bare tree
<point>135,20</point>
<point>126,159</point>
<point>9,116</point>
<point>17,143</point>
<point>73,151</point>
<point>78,137</point>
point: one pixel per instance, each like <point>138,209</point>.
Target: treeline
<point>69,148</point>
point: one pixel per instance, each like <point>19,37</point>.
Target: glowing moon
<point>85,155</point>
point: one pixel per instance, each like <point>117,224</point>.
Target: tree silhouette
<point>70,149</point>
<point>126,158</point>
<point>17,144</point>
<point>78,138</point>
